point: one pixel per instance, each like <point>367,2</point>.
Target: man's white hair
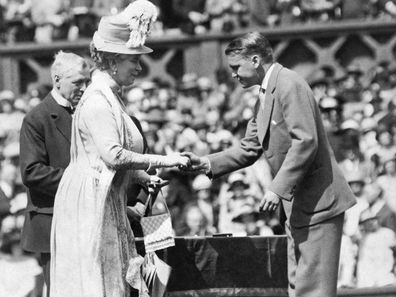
<point>64,62</point>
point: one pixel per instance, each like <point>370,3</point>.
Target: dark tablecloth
<point>226,266</point>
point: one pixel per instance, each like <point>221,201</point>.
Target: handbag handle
<point>149,206</point>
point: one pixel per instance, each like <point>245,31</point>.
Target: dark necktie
<point>69,109</point>
<point>262,97</point>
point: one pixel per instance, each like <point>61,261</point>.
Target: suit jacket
<point>386,217</point>
<point>4,205</point>
<point>44,154</point>
<point>288,129</point>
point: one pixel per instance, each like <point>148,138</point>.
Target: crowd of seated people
<point>205,116</point>
<point>46,20</point>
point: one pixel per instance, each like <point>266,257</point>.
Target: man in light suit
<point>307,182</point>
<point>45,151</point>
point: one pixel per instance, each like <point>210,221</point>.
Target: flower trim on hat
<point>140,15</point>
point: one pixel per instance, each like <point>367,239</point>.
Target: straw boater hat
<point>126,32</point>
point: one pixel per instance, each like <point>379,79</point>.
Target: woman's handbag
<point>157,228</point>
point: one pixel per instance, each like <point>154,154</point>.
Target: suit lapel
<point>264,115</point>
<point>61,117</point>
<point>265,110</point>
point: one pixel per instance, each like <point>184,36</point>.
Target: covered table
<point>226,266</point>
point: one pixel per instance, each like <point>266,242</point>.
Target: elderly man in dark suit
<point>45,150</point>
<point>307,182</point>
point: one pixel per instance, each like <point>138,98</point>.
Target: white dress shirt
<point>267,76</point>
<point>60,99</point>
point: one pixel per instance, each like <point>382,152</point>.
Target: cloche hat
<point>126,32</point>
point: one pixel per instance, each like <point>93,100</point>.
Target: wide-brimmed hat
<point>155,115</point>
<point>319,77</point>
<point>390,157</point>
<point>204,83</point>
<point>126,32</point>
<point>188,82</point>
<point>201,182</point>
<point>237,178</point>
<point>368,124</point>
<point>148,85</point>
<point>11,150</point>
<point>350,125</point>
<point>355,70</point>
<point>355,176</point>
<point>7,95</point>
<point>329,103</point>
<point>367,215</point>
<point>244,211</point>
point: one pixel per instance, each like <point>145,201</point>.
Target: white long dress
<point>93,251</point>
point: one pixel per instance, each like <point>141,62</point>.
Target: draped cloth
<point>93,250</point>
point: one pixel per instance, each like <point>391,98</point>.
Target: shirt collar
<point>267,76</point>
<point>60,99</point>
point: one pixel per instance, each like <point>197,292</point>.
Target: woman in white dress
<point>92,246</point>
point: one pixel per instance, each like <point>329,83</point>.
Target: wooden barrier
<point>368,292</point>
<point>304,47</point>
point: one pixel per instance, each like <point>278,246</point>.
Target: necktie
<point>69,109</point>
<point>262,97</point>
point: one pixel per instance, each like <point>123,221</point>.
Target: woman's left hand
<point>156,183</point>
<point>137,211</point>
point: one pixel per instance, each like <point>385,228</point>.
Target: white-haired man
<point>45,150</point>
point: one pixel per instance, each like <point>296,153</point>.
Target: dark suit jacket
<point>387,218</point>
<point>4,205</point>
<point>289,130</point>
<point>44,154</point>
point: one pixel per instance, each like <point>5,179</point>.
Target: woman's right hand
<point>178,160</point>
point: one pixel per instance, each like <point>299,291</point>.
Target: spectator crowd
<point>46,20</point>
<point>205,116</point>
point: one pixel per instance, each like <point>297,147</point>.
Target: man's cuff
<point>288,197</point>
<point>208,170</point>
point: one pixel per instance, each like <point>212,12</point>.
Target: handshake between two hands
<point>191,163</point>
<point>186,162</point>
<point>194,163</point>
